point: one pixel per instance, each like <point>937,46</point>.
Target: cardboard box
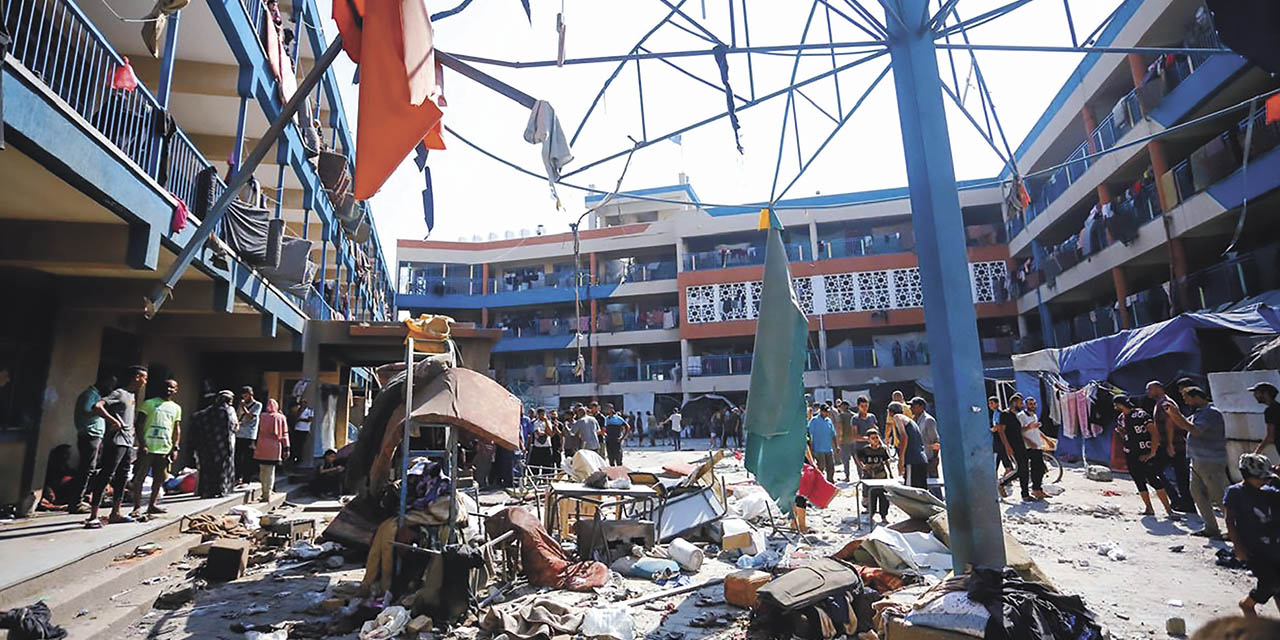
<point>740,535</point>
<point>740,587</point>
<point>898,629</point>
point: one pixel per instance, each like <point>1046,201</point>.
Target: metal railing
<point>643,371</point>
<point>852,357</point>
<point>639,271</point>
<point>745,257</point>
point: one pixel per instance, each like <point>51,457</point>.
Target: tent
<point>1190,344</point>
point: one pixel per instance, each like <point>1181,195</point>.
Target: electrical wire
<point>128,20</point>
<point>781,206</point>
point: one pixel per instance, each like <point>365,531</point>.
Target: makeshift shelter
<point>1190,344</point>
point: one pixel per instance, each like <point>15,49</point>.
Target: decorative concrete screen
<point>838,292</point>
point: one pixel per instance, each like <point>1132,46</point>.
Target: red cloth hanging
<point>180,212</point>
<point>1273,109</point>
<point>123,78</point>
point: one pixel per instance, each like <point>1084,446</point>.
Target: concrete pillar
<point>822,348</point>
<point>685,351</point>
<point>1122,292</point>
<point>1090,123</point>
<point>344,407</point>
<point>73,366</point>
<point>813,238</point>
<point>1137,68</point>
<point>484,278</point>
<point>311,371</point>
<point>1177,251</point>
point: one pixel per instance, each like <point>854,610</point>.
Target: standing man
<point>674,420</point>
<point>587,431</point>
<point>1207,448</point>
<point>999,444</point>
<point>117,447</point>
<point>616,431</point>
<point>846,436</point>
<point>652,428</point>
<point>161,437</point>
<point>822,442</point>
<point>913,464</point>
<point>91,424</point>
<point>733,428</point>
<point>247,437</point>
<point>863,422</point>
<point>1173,440</point>
<point>932,445</point>
<point>1265,393</point>
<point>717,426</point>
<point>1016,447</point>
<point>300,432</point>
<point>1252,510</point>
<point>891,431</point>
<point>1033,444</point>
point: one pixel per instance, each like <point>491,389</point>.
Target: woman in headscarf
<point>272,447</point>
<point>213,432</point>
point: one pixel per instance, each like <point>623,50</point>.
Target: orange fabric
<point>349,16</point>
<point>419,50</point>
<point>390,127</point>
<point>1273,109</point>
<point>435,137</point>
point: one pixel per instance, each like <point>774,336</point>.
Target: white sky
<point>476,195</point>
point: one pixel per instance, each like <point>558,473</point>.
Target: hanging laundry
<point>1273,109</point>
<point>123,78</point>
<point>560,30</point>
<point>721,55</point>
<point>180,212</point>
<point>428,201</point>
<point>544,128</point>
<point>398,115</point>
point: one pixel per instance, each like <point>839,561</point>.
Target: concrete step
<point>113,591</point>
<point>77,569</point>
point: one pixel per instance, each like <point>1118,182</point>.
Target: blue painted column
<point>168,59</point>
<point>1046,321</point>
<point>950,320</point>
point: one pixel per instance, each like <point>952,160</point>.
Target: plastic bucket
<point>686,554</point>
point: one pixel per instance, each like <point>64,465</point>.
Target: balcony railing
<point>741,257</point>
<point>1220,157</point>
<point>640,271</point>
<point>738,364</point>
<point>852,357</point>
<point>442,286</point>
<point>644,371</point>
<point>515,282</point>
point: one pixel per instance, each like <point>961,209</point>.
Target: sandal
<point>93,524</point>
<point>708,601</point>
<point>119,519</point>
<point>157,511</point>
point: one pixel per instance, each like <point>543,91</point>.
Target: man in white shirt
<point>301,430</point>
<point>677,428</point>
<point>1034,439</point>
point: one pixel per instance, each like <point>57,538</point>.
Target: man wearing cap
<point>1252,510</point>
<point>1207,448</point>
<point>1265,393</point>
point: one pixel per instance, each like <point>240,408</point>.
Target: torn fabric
<point>722,60</point>
<point>544,128</point>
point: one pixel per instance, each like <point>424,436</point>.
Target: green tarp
<point>775,420</point>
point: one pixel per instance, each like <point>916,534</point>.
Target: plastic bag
<point>608,622</point>
<point>762,560</point>
<point>757,504</point>
<point>388,624</point>
<point>585,463</point>
<point>282,634</point>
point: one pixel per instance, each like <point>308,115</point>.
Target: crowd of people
<point>120,441</point>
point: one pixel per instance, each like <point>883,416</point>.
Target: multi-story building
<point>667,304</point>
<point>669,309</point>
<point>1146,230</point>
<point>112,152</point>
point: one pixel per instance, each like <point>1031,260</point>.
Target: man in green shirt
<point>161,433</point>
<point>91,424</point>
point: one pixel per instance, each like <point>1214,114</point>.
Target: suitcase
<point>808,584</point>
<point>741,587</point>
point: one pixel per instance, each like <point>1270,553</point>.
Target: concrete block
<point>227,559</point>
<point>419,624</point>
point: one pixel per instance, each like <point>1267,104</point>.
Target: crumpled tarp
<point>545,563</point>
<point>775,418</point>
<point>1024,610</point>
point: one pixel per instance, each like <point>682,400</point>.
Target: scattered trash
<point>281,634</point>
<point>608,622</point>
<point>1112,550</point>
<point>1177,548</point>
<point>1174,603</point>
<point>1098,473</point>
<point>250,518</point>
<point>1175,626</point>
<point>256,609</point>
<point>1054,489</point>
<point>334,562</point>
<point>156,580</point>
<point>82,613</point>
<point>389,623</point>
<point>175,599</point>
<point>764,560</point>
<point>619,483</point>
<point>304,550</point>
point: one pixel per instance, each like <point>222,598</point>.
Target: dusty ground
<point>1132,596</point>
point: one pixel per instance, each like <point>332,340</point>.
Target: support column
<point>1122,292</point>
<point>950,320</point>
<point>1177,251</point>
<point>315,399</point>
<point>344,407</point>
<point>1090,123</point>
<point>813,238</point>
<point>1046,321</point>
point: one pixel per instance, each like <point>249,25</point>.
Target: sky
<point>478,196</point>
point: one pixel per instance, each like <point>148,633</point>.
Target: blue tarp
<point>1131,357</point>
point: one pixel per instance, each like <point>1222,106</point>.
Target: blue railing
<point>643,371</point>
<point>640,271</point>
<point>851,357</point>
<point>317,307</point>
<point>441,286</point>
<point>842,246</point>
<point>741,257</point>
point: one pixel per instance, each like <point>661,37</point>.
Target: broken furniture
<point>606,540</point>
<point>589,502</point>
<point>283,534</point>
<point>862,490</point>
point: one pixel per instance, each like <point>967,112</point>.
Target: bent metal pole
<point>241,177</point>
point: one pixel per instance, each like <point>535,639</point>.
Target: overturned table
<point>633,501</point>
